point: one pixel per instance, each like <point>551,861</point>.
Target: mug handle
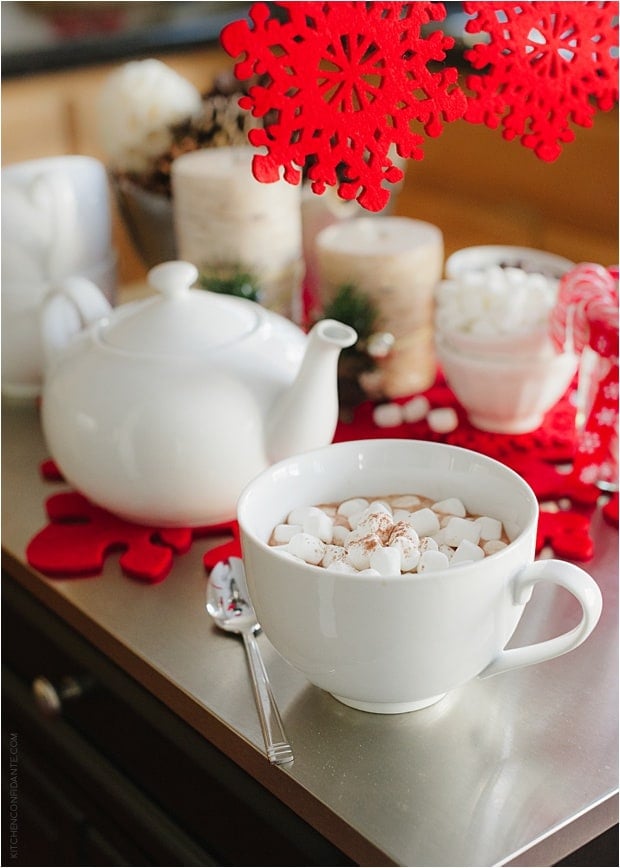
<point>580,585</point>
<point>65,311</point>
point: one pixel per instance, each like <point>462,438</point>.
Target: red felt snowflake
<point>567,533</point>
<point>339,84</point>
<point>545,65</point>
<point>79,537</point>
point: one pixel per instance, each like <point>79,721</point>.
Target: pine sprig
<point>227,281</point>
<point>353,308</point>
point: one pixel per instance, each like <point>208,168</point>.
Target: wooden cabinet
<point>118,779</point>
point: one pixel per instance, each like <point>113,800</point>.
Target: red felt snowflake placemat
<point>80,536</point>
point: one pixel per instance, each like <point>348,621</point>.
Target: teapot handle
<point>67,310</point>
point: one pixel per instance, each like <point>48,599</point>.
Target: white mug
<point>56,224</point>
<point>55,218</point>
<point>399,644</point>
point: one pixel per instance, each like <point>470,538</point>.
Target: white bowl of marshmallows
<point>492,335</point>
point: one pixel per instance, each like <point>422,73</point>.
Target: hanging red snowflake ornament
<point>544,65</point>
<point>339,84</point>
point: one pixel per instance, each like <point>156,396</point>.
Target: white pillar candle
<point>397,262</point>
<point>224,217</point>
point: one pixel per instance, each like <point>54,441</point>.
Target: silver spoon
<point>229,605</point>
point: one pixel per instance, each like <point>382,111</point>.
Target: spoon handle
<point>279,750</point>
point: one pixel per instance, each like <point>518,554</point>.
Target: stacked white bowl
<point>492,336</point>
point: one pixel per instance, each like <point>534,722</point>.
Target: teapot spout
<point>306,415</point>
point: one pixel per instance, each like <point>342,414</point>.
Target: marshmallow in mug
<point>495,301</point>
<point>388,536</point>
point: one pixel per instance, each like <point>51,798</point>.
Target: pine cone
<point>220,123</point>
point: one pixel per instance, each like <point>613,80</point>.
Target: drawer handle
<point>50,697</point>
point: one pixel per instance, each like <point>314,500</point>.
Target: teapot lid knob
<point>172,278</point>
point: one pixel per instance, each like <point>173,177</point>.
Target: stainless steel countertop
<point>518,769</point>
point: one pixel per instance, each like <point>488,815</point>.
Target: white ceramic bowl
<point>506,393</point>
<point>394,644</point>
<point>486,255</point>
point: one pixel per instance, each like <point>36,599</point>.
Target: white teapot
<point>162,410</point>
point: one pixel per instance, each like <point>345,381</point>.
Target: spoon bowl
<point>228,603</point>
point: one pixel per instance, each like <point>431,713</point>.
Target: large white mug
<point>399,644</point>
<point>56,224</point>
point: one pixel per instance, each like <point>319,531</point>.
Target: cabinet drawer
<point>177,776</point>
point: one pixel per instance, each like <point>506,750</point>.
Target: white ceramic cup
<point>400,644</point>
<point>56,224</point>
<point>55,218</point>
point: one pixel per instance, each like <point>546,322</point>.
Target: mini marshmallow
<point>402,530</point>
<point>380,506</point>
<point>424,521</point>
<point>332,553</point>
<point>448,551</point>
<point>387,415</point>
<point>377,521</point>
<point>386,560</point>
<point>439,537</point>
<point>442,420</point>
<point>369,572</point>
<point>283,533</point>
<point>339,534</point>
<point>401,515</point>
<point>342,567</point>
<point>358,551</point>
<point>405,501</point>
<point>301,513</point>
<point>427,543</point>
<point>416,409</point>
<point>376,507</point>
<point>433,561</point>
<point>319,524</point>
<point>283,550</point>
<point>306,547</point>
<point>466,551</point>
<point>354,506</point>
<point>450,506</point>
<point>490,528</point>
<point>409,556</point>
<point>492,546</point>
<point>459,529</point>
<point>406,541</point>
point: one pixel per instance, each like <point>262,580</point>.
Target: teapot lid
<point>179,320</point>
